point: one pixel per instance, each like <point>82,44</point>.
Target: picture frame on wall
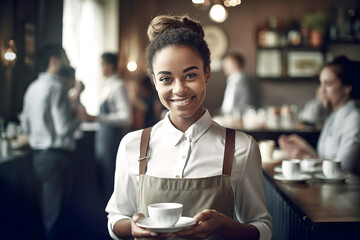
<point>304,64</point>
<point>269,63</point>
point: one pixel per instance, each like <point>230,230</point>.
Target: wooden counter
<point>313,209</point>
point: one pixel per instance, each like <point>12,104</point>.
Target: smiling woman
<point>176,154</point>
<point>181,88</point>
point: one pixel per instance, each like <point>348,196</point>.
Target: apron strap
<point>229,151</point>
<point>144,144</point>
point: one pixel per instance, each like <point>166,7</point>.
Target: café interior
<point>285,43</point>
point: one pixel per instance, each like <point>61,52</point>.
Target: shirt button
<point>183,156</point>
<point>185,138</point>
<point>177,176</point>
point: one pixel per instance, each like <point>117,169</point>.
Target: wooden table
<point>311,135</point>
<point>314,209</point>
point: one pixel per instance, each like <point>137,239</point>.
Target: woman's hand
<point>142,233</point>
<point>296,147</point>
<point>139,232</point>
<point>208,222</point>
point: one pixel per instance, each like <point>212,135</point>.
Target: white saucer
<point>183,223</point>
<point>303,177</point>
<point>342,177</point>
<point>311,170</point>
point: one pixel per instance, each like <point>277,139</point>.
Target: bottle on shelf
<point>268,35</point>
<point>294,33</point>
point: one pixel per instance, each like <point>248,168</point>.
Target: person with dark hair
<point>241,92</point>
<point>50,123</point>
<point>340,136</point>
<point>114,117</point>
<point>186,157</point>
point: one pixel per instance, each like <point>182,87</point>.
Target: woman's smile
<point>180,80</point>
<point>182,102</point>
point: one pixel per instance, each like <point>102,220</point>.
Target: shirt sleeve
<point>123,202</point>
<point>250,204</point>
<point>119,108</point>
<point>65,121</point>
<point>349,147</point>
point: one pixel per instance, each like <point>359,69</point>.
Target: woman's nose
<point>179,87</point>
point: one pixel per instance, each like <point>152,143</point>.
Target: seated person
<point>340,136</point>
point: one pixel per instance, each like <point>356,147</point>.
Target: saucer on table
<point>309,170</point>
<point>342,177</point>
<point>301,178</point>
<point>183,223</point>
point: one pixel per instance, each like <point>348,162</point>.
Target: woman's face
<point>180,80</point>
<point>333,92</point>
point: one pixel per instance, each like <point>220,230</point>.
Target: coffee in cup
<point>291,168</point>
<point>331,168</point>
<point>165,214</point>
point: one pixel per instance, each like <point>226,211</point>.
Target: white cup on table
<point>291,168</point>
<point>266,149</point>
<point>331,168</point>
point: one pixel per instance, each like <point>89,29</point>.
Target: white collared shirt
<point>340,137</point>
<point>47,116</point>
<point>114,96</point>
<point>197,153</point>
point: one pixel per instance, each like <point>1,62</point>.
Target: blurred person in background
<point>50,123</point>
<point>114,117</point>
<point>314,112</point>
<point>340,136</point>
<point>241,92</point>
<point>74,88</point>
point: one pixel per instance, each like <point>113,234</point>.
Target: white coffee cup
<point>165,214</point>
<point>309,164</point>
<point>291,168</point>
<point>266,149</point>
<point>331,168</point>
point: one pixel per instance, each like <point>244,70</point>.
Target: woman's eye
<point>192,75</point>
<point>165,79</point>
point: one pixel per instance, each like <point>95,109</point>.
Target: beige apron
<point>196,194</point>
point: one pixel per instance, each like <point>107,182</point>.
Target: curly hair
<point>165,31</point>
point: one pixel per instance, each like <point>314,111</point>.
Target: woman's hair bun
<point>164,22</point>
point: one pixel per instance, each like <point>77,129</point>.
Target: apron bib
<point>196,194</point>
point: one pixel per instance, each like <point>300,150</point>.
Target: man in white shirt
<point>114,117</point>
<point>50,123</point>
<point>241,92</point>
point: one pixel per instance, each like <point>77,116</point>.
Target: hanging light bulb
<point>198,1</point>
<point>132,66</point>
<point>218,13</point>
<point>9,56</point>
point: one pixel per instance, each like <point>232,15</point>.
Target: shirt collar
<point>194,132</point>
<point>345,110</point>
<point>235,76</point>
<point>49,76</point>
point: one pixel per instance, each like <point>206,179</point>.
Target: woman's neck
<point>184,123</point>
<point>340,104</point>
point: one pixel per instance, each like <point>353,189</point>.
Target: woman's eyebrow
<point>190,68</point>
<point>164,72</point>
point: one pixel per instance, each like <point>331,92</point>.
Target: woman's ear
<point>207,75</point>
